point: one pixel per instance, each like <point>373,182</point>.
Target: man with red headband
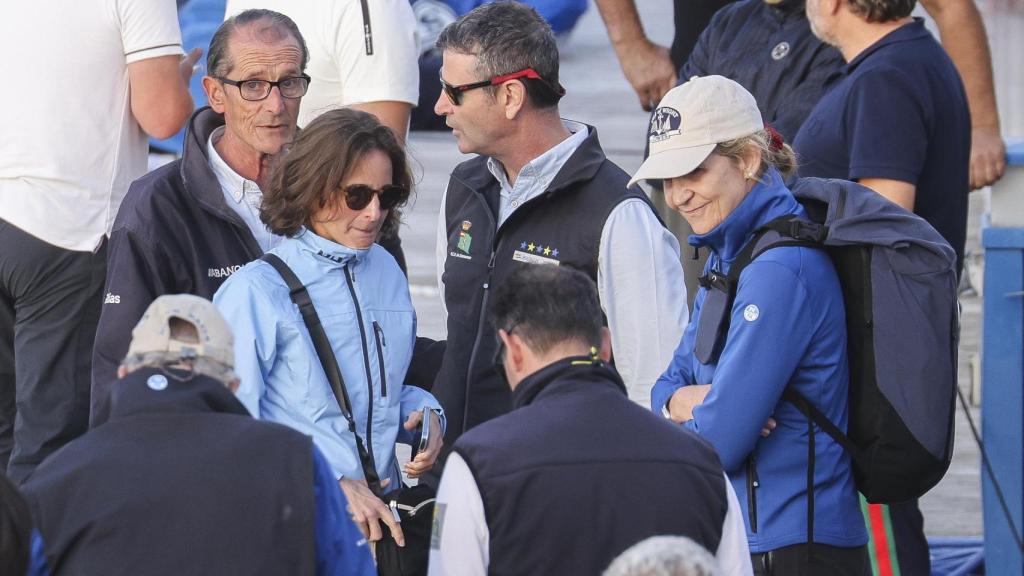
<point>540,192</point>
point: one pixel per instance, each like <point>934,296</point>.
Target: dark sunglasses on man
<point>358,196</point>
<point>454,92</point>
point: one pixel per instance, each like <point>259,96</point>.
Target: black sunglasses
<point>358,196</point>
<point>454,92</point>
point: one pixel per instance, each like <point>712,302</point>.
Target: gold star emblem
<point>531,246</point>
<point>547,251</point>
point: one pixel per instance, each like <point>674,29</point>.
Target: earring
<point>750,175</point>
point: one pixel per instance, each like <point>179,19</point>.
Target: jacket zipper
<point>378,336</point>
<point>752,485</point>
<point>350,282</point>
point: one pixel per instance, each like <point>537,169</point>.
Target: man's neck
<point>247,163</point>
<point>534,362</point>
<point>533,137</point>
<point>854,39</point>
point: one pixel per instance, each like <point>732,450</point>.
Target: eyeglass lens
<point>294,87</point>
<point>358,196</point>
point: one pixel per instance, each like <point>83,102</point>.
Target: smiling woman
<point>784,328</point>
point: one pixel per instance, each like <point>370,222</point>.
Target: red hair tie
<point>776,141</point>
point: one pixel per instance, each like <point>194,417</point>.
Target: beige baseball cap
<point>691,120</point>
<point>152,335</point>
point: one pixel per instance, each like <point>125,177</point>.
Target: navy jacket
<point>174,234</point>
<point>770,51</point>
<point>180,480</point>
<point>577,473</point>
<point>787,329</point>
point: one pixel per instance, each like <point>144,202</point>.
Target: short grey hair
<point>200,366</point>
<point>882,10</point>
<point>664,556</point>
<point>507,37</point>
<point>218,58</point>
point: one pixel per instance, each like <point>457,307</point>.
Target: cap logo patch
<point>780,51</point>
<point>157,382</point>
<point>664,124</point>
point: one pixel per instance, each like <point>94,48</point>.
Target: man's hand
<point>988,156</point>
<point>768,427</point>
<point>684,400</point>
<point>368,511</point>
<point>424,460</point>
<point>648,69</point>
<point>188,64</point>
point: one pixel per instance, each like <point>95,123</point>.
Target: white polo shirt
<point>70,145</point>
<point>352,59</point>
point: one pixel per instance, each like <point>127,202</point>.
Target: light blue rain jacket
<point>363,302</point>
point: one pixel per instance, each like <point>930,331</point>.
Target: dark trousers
<point>825,560</point>
<point>50,302</point>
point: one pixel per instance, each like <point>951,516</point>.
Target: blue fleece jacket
<point>788,328</point>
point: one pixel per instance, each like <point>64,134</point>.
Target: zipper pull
<point>394,511</point>
<point>380,332</point>
<point>490,263</point>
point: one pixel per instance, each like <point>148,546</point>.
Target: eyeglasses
<point>499,353</point>
<point>255,90</point>
<point>358,196</point>
<point>454,92</point>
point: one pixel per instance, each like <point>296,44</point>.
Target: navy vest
<point>577,473</point>
<point>179,481</point>
<point>561,226</point>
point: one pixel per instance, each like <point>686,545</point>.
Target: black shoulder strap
<point>300,296</point>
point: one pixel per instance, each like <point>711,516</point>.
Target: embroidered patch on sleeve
<point>438,526</point>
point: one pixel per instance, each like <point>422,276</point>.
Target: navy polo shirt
<point>897,111</point>
<point>770,51</point>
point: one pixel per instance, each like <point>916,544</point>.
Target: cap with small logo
<point>691,120</point>
<point>153,334</point>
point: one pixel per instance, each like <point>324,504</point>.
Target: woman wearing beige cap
<point>723,171</point>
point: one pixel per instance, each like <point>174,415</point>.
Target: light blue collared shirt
<point>535,177</point>
<point>243,196</point>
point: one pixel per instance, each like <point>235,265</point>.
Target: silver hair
<point>664,556</point>
<point>200,366</point>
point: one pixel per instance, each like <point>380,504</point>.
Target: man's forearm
<point>963,36</point>
<point>622,21</point>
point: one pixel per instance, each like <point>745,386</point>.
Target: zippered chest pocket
<point>380,340</point>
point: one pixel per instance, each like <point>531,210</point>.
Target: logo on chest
<point>533,253</point>
<point>464,242</point>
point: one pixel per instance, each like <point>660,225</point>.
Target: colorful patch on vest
<point>536,253</point>
<point>465,240</point>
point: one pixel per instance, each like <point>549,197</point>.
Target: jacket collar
<point>581,167</point>
<point>768,200</point>
<point>331,254</point>
<point>156,391</point>
<point>911,31</point>
<point>199,178</point>
<point>535,384</point>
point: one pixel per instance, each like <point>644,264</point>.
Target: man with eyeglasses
<point>540,192</point>
<point>187,226</point>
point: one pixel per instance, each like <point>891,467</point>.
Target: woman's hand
<point>368,511</point>
<point>684,400</point>
<point>768,427</point>
<point>425,459</point>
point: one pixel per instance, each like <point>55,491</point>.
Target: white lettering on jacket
<point>112,298</point>
<point>223,272</point>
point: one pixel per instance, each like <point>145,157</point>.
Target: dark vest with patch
<point>561,226</point>
<point>179,481</point>
<point>577,473</point>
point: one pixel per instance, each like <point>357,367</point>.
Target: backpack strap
<point>300,296</point>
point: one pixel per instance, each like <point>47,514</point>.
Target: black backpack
<point>899,281</point>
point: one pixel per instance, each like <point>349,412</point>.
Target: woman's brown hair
<point>309,176</point>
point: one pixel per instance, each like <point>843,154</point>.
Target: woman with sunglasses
<point>723,170</point>
<point>342,182</point>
